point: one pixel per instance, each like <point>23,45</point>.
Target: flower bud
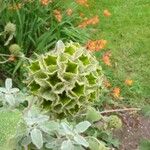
<point>10,28</point>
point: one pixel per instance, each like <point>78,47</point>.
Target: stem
<point>120,110</point>
<point>2,62</point>
<point>26,147</point>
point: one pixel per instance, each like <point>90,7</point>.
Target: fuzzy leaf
<point>8,83</point>
<point>49,126</point>
<point>82,126</point>
<point>81,141</point>
<point>8,124</point>
<point>66,128</point>
<point>37,139</point>
<point>67,145</point>
<point>93,115</point>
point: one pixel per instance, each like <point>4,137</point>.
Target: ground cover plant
<point>74,65</point>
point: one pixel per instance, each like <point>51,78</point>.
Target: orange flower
<point>58,15</point>
<point>44,2</point>
<point>96,45</point>
<point>11,58</point>
<point>106,58</point>
<point>106,13</point>
<point>128,82</point>
<point>91,21</point>
<point>116,92</point>
<point>83,2</point>
<point>69,11</point>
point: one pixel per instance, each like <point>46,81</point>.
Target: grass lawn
<point>128,34</point>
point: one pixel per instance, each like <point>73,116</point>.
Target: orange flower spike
<point>116,92</point>
<point>106,13</point>
<point>106,58</point>
<point>58,15</point>
<point>69,11</point>
<point>128,82</point>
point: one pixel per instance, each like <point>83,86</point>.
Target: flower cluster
<point>96,45</point>
<point>58,15</point>
<point>91,21</point>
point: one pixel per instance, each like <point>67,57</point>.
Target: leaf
<point>14,90</point>
<point>67,129</point>
<point>3,90</point>
<point>8,83</point>
<point>81,141</point>
<point>8,126</point>
<point>95,144</point>
<point>82,126</point>
<point>10,99</point>
<point>26,140</point>
<point>146,111</point>
<point>144,145</point>
<point>49,126</point>
<point>67,145</point>
<point>37,139</point>
<point>93,115</point>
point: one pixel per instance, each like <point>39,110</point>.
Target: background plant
<point>36,27</point>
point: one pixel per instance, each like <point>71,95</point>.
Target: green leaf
<point>67,129</point>
<point>95,144</point>
<point>37,139</point>
<point>8,126</point>
<point>49,126</point>
<point>8,83</point>
<point>67,145</point>
<point>82,126</point>
<point>81,140</point>
<point>93,115</point>
<point>144,145</point>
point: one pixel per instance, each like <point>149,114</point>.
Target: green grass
<point>128,34</point>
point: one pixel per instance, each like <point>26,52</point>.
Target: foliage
<point>8,126</point>
<point>35,27</point>
<point>68,79</point>
<point>35,129</point>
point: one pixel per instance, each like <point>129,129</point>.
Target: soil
<point>135,128</point>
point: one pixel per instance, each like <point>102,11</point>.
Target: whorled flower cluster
<point>68,79</point>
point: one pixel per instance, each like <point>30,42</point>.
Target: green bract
<point>67,78</point>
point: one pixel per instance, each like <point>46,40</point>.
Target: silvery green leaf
<point>8,83</point>
<point>60,46</point>
<point>66,128</point>
<point>14,90</point>
<point>82,126</point>
<point>81,140</point>
<point>77,147</point>
<point>3,90</point>
<point>10,99</point>
<point>37,138</point>
<point>49,126</point>
<point>26,140</point>
<point>67,145</point>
